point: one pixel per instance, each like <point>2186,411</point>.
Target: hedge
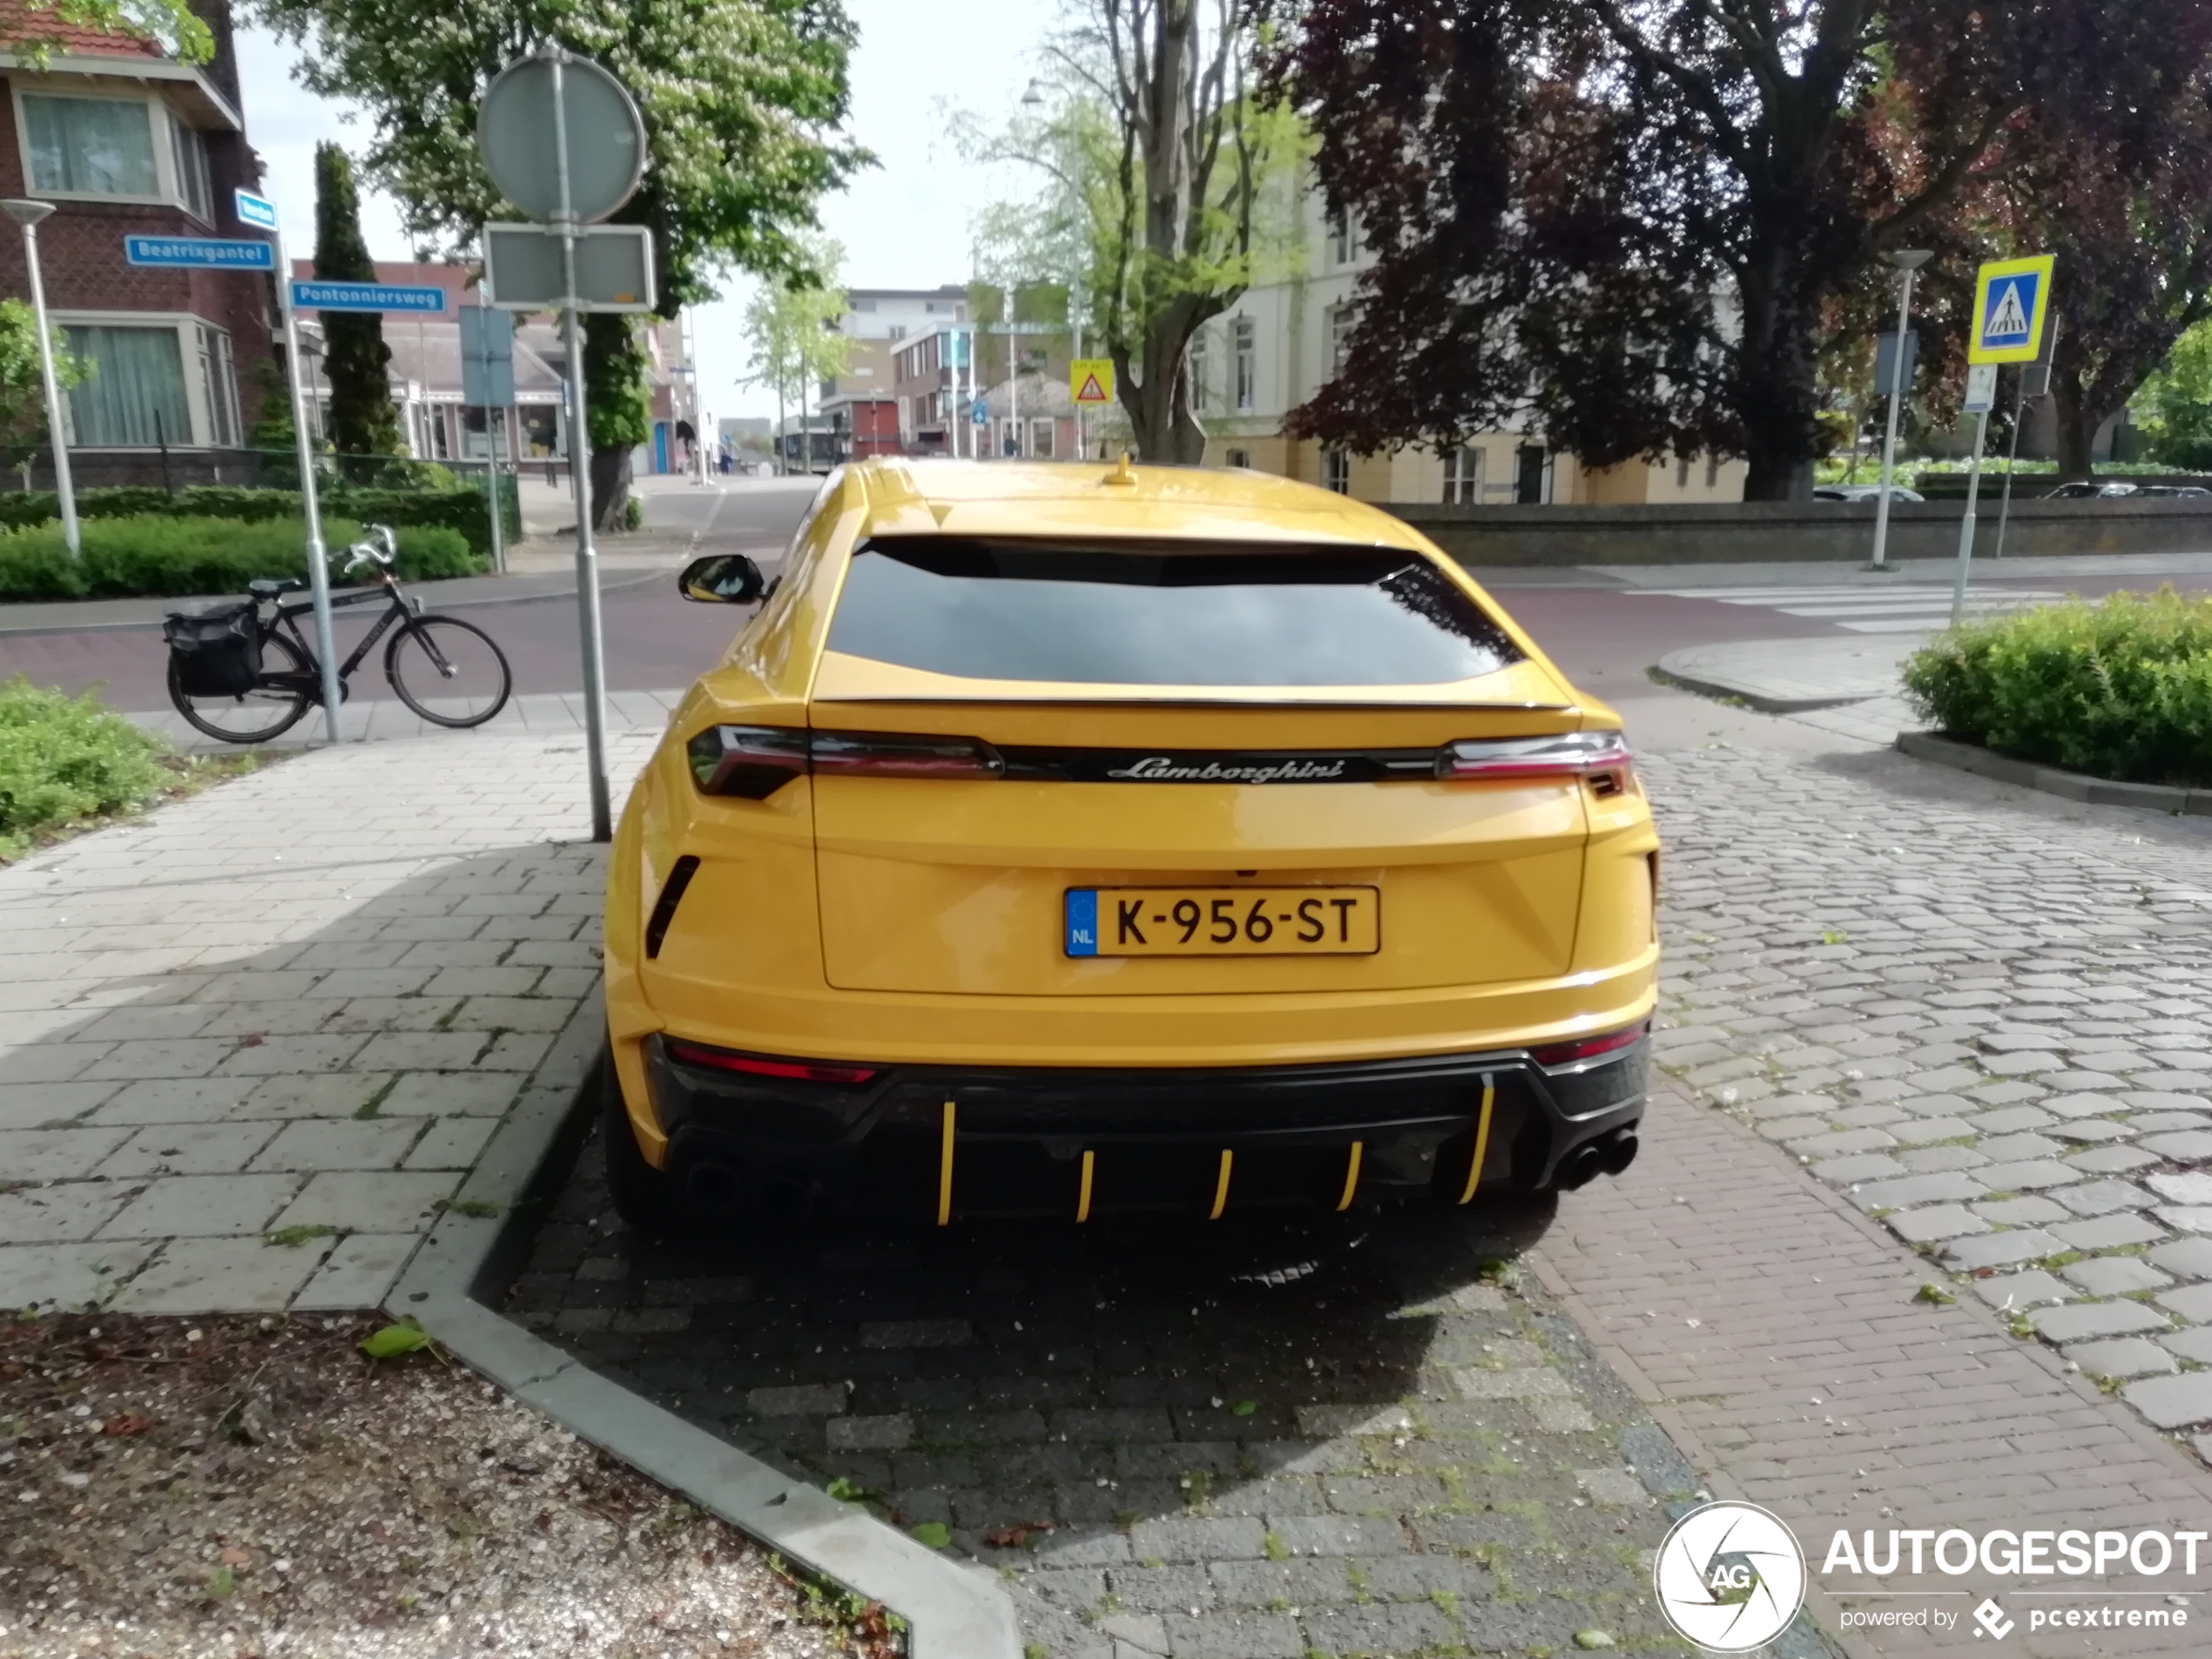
<point>461,510</point>
<point>2120,690</point>
<point>65,758</point>
<point>155,556</point>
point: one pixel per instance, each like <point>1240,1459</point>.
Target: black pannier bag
<point>217,652</point>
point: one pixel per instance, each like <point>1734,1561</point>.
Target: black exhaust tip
<point>783,1201</point>
<point>1620,1151</point>
<point>712,1188</point>
<point>1579,1168</point>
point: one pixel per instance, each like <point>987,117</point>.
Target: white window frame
<point>1463,470</point>
<point>1201,403</point>
<point>1342,321</point>
<point>1336,470</point>
<point>169,189</point>
<point>1244,339</point>
<point>1340,242</point>
<point>189,329</point>
<point>1042,427</point>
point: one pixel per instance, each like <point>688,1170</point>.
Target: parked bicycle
<point>245,674</point>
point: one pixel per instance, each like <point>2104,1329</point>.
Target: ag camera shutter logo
<point>1729,1577</point>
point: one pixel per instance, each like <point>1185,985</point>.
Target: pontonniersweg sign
<point>310,295</point>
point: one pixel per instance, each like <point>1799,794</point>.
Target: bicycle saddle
<point>268,587</point>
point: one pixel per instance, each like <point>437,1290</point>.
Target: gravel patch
<point>177,1489</point>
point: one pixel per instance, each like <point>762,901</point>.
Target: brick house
<point>124,140</point>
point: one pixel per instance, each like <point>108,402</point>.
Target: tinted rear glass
<point>1137,614</point>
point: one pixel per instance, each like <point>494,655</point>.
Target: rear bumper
<point>1035,1141</point>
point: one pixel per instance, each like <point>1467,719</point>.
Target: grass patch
<point>2120,690</point>
<point>159,554</point>
<point>293,1238</point>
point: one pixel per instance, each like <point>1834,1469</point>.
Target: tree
<point>356,362</point>
<point>31,31</point>
<point>1628,221</point>
<point>2130,223</point>
<point>23,387</point>
<point>743,100</point>
<point>1154,213</point>
<point>791,328</point>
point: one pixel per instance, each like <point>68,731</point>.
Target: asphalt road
<point>1604,636</point>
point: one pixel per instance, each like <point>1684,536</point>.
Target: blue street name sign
<point>255,210</point>
<point>365,296</point>
<point>199,250</point>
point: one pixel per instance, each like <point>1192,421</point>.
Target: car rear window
<point>1147,614</point>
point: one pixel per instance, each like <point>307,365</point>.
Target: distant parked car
<point>1864,492</point>
<point>2084,489</point>
<point>2172,489</point>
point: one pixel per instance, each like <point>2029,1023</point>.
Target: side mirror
<point>721,579</point>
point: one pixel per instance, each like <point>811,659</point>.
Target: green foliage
<point>2120,690</point>
<point>159,555</point>
<point>405,1336</point>
<point>616,395</point>
<point>934,1533</point>
<point>461,509</point>
<point>23,388</point>
<point>66,758</point>
<point>2176,403</point>
<point>357,362</point>
<point>789,326</point>
<point>173,22</point>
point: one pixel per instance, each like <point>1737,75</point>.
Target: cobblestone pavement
<point>1239,1444</point>
<point>251,1045</point>
<point>1987,1017</point>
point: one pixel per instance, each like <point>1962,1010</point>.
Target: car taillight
<point>755,761</point>
<point>894,754</point>
<point>812,1071</point>
<point>1563,1053</point>
<point>752,761</point>
<point>1602,757</point>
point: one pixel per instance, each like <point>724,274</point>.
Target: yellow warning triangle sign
<point>1091,391</point>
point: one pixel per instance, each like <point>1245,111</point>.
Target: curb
<point>8,631</point>
<point>951,1613</point>
<point>2069,785</point>
<point>1664,676</point>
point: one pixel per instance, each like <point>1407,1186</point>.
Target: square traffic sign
<point>2011,300</point>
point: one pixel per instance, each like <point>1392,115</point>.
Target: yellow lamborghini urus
<point>1064,840</point>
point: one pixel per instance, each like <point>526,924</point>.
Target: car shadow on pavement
<point>202,1126</point>
<point>1342,1435</point>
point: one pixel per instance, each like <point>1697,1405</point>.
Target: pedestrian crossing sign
<point>1090,380</point>
<point>2010,302</point>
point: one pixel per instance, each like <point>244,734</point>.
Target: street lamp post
<point>1031,99</point>
<point>28,214</point>
<point>1908,260</point>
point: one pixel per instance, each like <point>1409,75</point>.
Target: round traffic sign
<point>516,130</point>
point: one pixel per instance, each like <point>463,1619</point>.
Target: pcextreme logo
<point>1729,1577</point>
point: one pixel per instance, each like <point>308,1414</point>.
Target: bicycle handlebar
<point>366,551</point>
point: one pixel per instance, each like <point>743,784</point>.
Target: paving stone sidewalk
<point>1245,1442</point>
<point>251,1045</point>
<point>1982,1014</point>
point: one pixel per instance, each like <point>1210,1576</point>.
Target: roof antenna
<point>1123,474</point>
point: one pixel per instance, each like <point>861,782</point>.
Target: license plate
<point>1224,922</point>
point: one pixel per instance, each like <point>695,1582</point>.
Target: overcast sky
<point>904,223</point>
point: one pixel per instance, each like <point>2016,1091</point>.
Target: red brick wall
<point>81,254</point>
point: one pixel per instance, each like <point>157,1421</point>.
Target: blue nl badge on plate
<point>1082,921</point>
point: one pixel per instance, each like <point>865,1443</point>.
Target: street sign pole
<point>1909,260</point>
<point>1981,388</point>
<point>2012,458</point>
<point>318,556</point>
<point>590,644</point>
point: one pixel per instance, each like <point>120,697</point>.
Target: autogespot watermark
<point>1729,1577</point>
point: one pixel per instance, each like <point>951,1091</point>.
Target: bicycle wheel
<point>460,677</point>
<point>255,716</point>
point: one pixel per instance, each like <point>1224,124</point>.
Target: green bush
<point>160,555</point>
<point>63,758</point>
<point>2120,690</point>
<point>456,507</point>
